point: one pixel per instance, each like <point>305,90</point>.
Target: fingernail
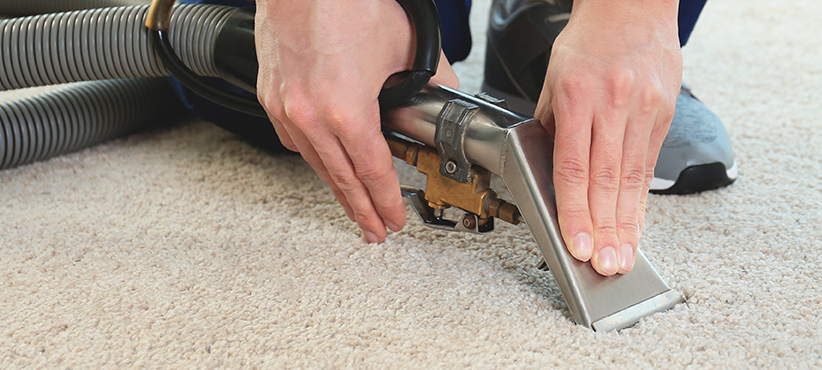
<point>583,246</point>
<point>391,225</point>
<point>626,255</point>
<point>608,260</point>
<point>370,237</point>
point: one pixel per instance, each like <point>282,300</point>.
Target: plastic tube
<point>98,44</point>
<point>81,115</point>
<point>18,8</point>
<point>109,44</point>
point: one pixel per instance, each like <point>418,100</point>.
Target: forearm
<point>659,10</point>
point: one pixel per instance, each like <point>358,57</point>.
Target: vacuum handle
<point>426,22</point>
<point>237,63</point>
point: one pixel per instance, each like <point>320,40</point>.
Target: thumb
<point>445,74</point>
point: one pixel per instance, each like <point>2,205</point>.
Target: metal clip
<point>432,218</point>
<point>492,100</point>
<point>449,137</point>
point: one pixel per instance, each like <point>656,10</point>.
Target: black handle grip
<point>426,23</point>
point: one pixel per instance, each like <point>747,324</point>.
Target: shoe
<point>521,34</point>
<point>696,155</point>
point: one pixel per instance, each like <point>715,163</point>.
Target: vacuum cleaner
<point>117,55</point>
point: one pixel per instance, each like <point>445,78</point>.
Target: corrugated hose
<point>107,48</point>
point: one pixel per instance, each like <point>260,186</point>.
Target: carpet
<point>185,247</point>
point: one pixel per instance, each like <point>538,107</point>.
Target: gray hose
<point>100,44</point>
<point>18,8</point>
<point>81,115</point>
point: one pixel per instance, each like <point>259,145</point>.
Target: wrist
<point>659,14</point>
<point>651,9</point>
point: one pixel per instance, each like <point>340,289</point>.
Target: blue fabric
<point>689,11</point>
<point>456,35</point>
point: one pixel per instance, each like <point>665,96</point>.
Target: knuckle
<point>630,225</point>
<point>374,177</point>
<point>572,170</point>
<point>606,228</point>
<point>343,122</point>
<point>361,215</point>
<point>652,98</point>
<point>621,85</point>
<point>343,128</point>
<point>574,81</point>
<point>272,106</point>
<point>346,182</point>
<point>570,84</point>
<point>633,178</point>
<point>296,111</point>
<point>299,111</point>
<point>622,79</point>
<point>606,178</point>
<point>576,213</point>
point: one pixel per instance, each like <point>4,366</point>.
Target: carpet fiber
<point>186,248</point>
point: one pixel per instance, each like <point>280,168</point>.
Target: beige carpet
<point>185,248</point>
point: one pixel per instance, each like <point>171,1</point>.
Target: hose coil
<point>81,115</point>
<point>20,8</point>
<point>99,44</point>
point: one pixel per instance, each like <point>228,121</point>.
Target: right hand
<point>609,96</point>
<point>322,66</point>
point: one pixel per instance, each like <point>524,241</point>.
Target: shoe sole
<point>696,179</point>
<point>691,180</point>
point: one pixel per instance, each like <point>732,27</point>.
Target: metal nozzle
<point>519,150</point>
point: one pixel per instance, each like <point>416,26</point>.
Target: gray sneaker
<point>696,155</point>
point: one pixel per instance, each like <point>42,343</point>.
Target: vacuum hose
<point>112,43</point>
<point>99,44</point>
<point>108,44</point>
<point>81,115</point>
<point>19,8</point>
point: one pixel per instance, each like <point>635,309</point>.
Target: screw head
<point>450,167</point>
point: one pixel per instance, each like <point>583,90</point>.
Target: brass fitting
<point>159,15</point>
<point>504,211</point>
<point>442,192</point>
